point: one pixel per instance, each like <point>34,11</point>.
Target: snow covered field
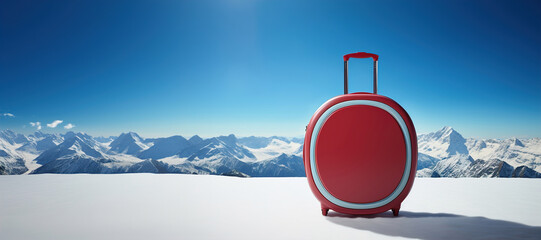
<point>163,206</point>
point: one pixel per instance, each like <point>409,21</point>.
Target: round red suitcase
<point>360,151</point>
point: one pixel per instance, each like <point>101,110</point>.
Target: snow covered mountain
<point>447,154</point>
<point>80,153</point>
<point>11,162</point>
<point>13,138</point>
<point>165,147</point>
<point>219,155</point>
<point>74,144</point>
<point>105,140</point>
<point>284,165</point>
<point>128,143</point>
<point>266,148</point>
<point>425,161</point>
<point>225,146</point>
<point>17,151</point>
<point>40,142</point>
<point>454,166</point>
<point>515,152</point>
<point>260,142</point>
<point>443,143</point>
<point>444,153</point>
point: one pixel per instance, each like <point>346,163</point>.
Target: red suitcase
<point>360,151</point>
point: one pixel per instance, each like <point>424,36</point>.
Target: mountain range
<point>130,153</point>
<point>444,153</point>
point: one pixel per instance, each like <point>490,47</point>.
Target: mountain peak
<point>69,141</point>
<point>230,139</point>
<point>133,134</point>
<point>13,137</point>
<point>69,135</point>
<point>443,143</point>
<point>81,135</point>
<point>517,142</point>
<point>130,135</point>
<point>165,147</point>
<point>38,134</point>
<point>74,145</point>
<point>195,139</point>
<point>129,143</point>
<point>448,134</point>
<point>447,129</point>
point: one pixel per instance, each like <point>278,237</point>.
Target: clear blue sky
<point>263,67</point>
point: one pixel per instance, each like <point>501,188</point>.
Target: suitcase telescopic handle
<point>361,55</point>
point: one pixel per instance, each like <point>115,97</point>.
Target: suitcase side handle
<point>375,57</point>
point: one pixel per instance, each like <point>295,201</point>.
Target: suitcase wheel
<point>324,211</point>
<point>395,211</point>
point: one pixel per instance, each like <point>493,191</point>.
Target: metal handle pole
<point>345,77</point>
<point>376,77</point>
<point>360,55</point>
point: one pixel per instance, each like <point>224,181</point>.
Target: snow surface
<point>164,206</point>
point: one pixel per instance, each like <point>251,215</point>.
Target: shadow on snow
<point>436,226</point>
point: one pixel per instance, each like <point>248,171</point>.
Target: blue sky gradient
<point>263,67</point>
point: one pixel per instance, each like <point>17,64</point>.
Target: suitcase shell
<point>360,151</point>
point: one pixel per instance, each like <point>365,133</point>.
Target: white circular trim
<point>315,174</point>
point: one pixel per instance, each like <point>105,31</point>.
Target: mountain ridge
<point>443,153</point>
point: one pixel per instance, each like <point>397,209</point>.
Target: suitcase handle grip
<point>361,55</point>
